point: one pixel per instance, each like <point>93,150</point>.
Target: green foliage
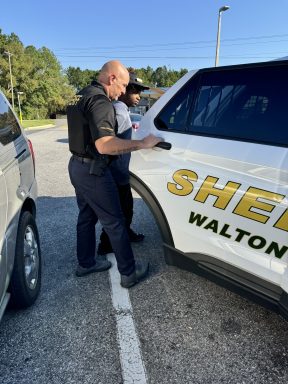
<point>80,78</point>
<point>38,74</point>
<point>161,77</point>
<point>46,88</point>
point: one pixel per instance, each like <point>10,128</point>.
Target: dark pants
<point>126,202</point>
<point>97,198</point>
<point>120,171</point>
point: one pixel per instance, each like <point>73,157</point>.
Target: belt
<point>82,159</point>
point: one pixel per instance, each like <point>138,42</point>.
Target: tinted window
<point>246,104</point>
<point>174,115</point>
<point>9,128</point>
<point>135,117</point>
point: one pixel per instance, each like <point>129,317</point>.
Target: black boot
<point>99,266</point>
<point>141,270</point>
<point>135,237</point>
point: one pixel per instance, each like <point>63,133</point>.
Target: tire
<point>25,281</point>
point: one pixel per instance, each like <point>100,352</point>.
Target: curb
<point>40,127</point>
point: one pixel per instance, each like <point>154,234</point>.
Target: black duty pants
<point>126,201</point>
<point>98,198</point>
<point>120,172</point>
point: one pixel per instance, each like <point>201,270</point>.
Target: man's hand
<point>150,141</point>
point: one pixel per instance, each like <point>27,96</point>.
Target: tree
<point>161,77</point>
<point>80,78</point>
<point>46,88</point>
<point>38,74</point>
<point>11,44</point>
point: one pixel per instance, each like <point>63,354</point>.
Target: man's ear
<point>112,79</point>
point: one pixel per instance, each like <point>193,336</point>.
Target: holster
<point>99,162</point>
<point>97,167</point>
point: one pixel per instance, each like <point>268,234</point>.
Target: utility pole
<point>222,9</point>
<point>9,54</point>
<point>19,106</point>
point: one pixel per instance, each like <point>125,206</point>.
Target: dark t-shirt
<point>98,110</point>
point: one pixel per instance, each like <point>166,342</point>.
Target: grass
<point>36,123</point>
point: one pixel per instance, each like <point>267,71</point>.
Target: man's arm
<point>111,145</point>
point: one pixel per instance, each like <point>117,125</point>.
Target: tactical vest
<point>79,136</point>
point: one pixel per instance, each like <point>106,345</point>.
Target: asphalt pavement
<point>189,329</point>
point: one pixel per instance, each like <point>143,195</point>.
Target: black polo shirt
<point>98,110</point>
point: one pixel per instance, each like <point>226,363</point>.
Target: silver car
<point>20,257</point>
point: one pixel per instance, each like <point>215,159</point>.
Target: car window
<point>174,115</point>
<point>135,117</point>
<point>245,104</point>
<point>9,128</point>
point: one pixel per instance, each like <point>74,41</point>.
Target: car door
<point>223,184</point>
<point>10,136</point>
<point>3,214</point>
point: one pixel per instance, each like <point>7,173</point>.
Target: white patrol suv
<point>219,194</point>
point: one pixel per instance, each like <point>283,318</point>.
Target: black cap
<point>137,82</point>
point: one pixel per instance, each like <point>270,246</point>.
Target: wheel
<point>26,276</point>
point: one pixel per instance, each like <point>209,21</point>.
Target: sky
<point>175,33</point>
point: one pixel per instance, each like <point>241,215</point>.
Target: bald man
<point>93,144</point>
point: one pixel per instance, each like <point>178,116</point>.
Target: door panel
<point>3,213</point>
<point>222,198</point>
<point>12,152</point>
<point>14,200</point>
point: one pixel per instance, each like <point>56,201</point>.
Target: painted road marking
<point>133,370</point>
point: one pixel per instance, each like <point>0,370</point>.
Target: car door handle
<point>164,145</point>
<point>20,154</point>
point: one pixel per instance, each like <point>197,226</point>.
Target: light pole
<point>222,9</point>
<point>19,105</point>
<point>9,54</point>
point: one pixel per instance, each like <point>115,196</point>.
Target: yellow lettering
<point>251,201</point>
<point>282,223</point>
<point>224,195</point>
<point>183,178</point>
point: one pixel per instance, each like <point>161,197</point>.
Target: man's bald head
<point>114,77</point>
<point>112,67</point>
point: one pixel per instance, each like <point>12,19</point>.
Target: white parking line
<point>133,370</point>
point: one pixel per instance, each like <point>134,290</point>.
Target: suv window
<point>246,104</point>
<point>174,115</point>
<point>9,128</point>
